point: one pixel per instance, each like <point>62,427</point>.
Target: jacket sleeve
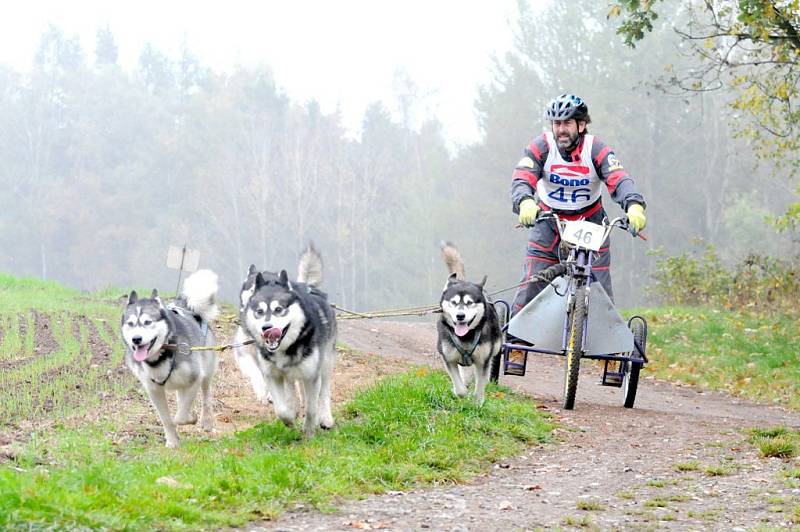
<point>527,172</point>
<point>620,184</point>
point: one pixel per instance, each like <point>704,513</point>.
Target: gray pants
<point>543,251</point>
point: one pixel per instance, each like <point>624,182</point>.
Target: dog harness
<point>167,351</point>
<point>466,356</point>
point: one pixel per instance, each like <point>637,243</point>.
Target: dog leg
<point>291,395</point>
<point>311,392</point>
<point>184,414</point>
<point>285,405</point>
<point>207,415</point>
<point>245,359</point>
<point>325,414</point>
<point>467,374</point>
<point>481,378</point>
<point>458,386</point>
<point>159,399</point>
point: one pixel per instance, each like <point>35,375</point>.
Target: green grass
<point>692,465</point>
<point>590,505</point>
<point>60,379</point>
<point>717,471</point>
<point>778,442</point>
<point>406,431</point>
<point>743,353</point>
<point>579,522</point>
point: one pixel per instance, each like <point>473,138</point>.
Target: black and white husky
<point>159,339</point>
<point>469,329</point>
<point>294,329</point>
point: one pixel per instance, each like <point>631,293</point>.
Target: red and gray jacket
<point>570,183</point>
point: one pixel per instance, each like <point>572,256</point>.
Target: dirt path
<point>678,460</point>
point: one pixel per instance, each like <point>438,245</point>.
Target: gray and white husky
<point>158,338</point>
<point>469,328</point>
<point>294,329</point>
<point>245,353</point>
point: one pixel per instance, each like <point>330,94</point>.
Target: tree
<point>751,47</point>
<point>106,51</point>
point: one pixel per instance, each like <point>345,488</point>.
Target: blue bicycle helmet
<point>567,106</point>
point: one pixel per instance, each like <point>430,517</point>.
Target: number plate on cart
<point>584,234</point>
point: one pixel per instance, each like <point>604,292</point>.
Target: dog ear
<point>260,280</point>
<point>154,296</point>
<point>133,298</point>
<point>283,278</point>
<point>251,270</point>
<point>483,281</point>
<point>453,278</point>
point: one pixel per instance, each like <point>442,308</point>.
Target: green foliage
<point>404,432</point>
<point>756,282</point>
<point>638,21</point>
<point>751,47</point>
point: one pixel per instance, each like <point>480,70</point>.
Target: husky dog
<point>246,355</point>
<point>469,329</point>
<point>158,340</point>
<point>294,329</point>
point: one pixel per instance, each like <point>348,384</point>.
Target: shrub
<point>756,281</point>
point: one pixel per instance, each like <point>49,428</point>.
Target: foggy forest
<point>103,168</point>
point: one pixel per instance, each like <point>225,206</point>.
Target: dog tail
<point>200,290</point>
<point>309,270</point>
<point>455,264</point>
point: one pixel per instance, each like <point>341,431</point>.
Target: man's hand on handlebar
<point>636,218</point>
<point>528,210</point>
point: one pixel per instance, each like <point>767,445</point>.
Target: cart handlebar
<point>619,221</point>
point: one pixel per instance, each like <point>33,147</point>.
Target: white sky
<point>342,52</point>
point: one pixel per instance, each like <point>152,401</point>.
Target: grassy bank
<point>408,430</point>
<point>746,354</point>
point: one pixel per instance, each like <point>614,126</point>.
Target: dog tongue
<point>140,353</point>
<point>273,334</point>
<point>461,329</point>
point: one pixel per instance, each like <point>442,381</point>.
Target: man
<point>563,170</point>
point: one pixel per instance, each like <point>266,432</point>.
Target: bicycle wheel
<point>630,382</point>
<point>574,351</point>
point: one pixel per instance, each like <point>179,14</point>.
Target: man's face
<point>566,131</point>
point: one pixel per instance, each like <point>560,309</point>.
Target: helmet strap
<point>575,143</point>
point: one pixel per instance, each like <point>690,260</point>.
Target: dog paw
<point>326,424</point>
<point>287,420</point>
<point>173,444</point>
<point>460,392</point>
<point>190,420</point>
<point>265,398</point>
<point>207,423</point>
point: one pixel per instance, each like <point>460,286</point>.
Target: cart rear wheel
<point>630,382</point>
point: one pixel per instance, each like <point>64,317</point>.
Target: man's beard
<point>565,143</point>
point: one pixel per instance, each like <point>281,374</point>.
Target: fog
<point>104,165</point>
